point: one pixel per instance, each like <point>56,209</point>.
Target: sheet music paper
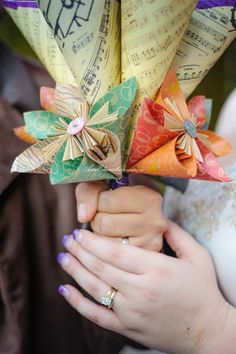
<point>151,33</point>
<point>209,33</point>
<point>31,23</point>
<point>88,34</point>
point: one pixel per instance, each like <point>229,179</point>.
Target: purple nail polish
<point>63,291</point>
<point>64,239</point>
<point>60,257</point>
<point>67,241</point>
<point>76,235</point>
<point>63,259</point>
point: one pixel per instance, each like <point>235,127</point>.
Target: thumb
<point>87,199</point>
<point>182,243</point>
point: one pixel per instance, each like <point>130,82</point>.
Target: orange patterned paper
<point>170,141</point>
<point>23,135</point>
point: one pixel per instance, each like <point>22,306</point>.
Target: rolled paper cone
<point>151,33</point>
<point>211,29</point>
<point>88,34</point>
<point>164,162</point>
<point>30,21</point>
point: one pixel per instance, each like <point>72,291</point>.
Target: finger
<point>120,225</point>
<point>130,259</point>
<point>87,199</point>
<point>182,243</point>
<point>122,200</point>
<point>149,242</point>
<point>108,274</point>
<point>93,312</point>
<point>85,279</point>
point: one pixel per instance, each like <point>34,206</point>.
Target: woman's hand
<point>172,304</point>
<point>134,212</point>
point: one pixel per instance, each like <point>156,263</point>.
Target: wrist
<point>219,331</point>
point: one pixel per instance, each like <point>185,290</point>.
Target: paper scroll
<point>88,34</point>
<point>151,33</point>
<point>210,31</point>
<point>29,19</point>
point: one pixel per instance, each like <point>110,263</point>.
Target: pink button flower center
<point>76,126</point>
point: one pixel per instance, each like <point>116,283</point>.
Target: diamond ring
<point>108,299</point>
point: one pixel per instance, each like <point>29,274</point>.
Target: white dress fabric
<point>207,210</point>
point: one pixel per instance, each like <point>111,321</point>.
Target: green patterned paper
<point>109,115</point>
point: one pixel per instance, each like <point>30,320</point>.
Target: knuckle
<point>157,244</point>
<point>159,224</point>
<point>97,267</point>
<point>150,295</point>
<point>115,254</point>
<point>105,200</point>
<point>163,274</point>
<point>102,224</point>
<point>94,291</point>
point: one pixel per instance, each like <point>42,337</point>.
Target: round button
<point>76,126</point>
<point>190,128</point>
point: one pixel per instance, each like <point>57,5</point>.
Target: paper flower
<point>170,140</point>
<point>76,143</point>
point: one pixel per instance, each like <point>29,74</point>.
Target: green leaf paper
<point>40,124</point>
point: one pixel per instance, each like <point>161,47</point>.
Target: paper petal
<point>22,134</point>
<point>79,170</point>
<point>210,169</point>
<point>164,162</point>
<point>197,106</point>
<point>69,101</point>
<point>113,161</point>
<point>120,100</point>
<point>219,146</point>
<point>40,123</point>
<point>150,133</point>
<point>47,98</point>
<point>31,160</point>
<point>171,90</point>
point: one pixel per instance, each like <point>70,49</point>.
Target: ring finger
<point>86,280</point>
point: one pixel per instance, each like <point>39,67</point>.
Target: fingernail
<point>63,259</point>
<point>82,211</point>
<point>67,241</point>
<point>77,235</point>
<point>63,291</point>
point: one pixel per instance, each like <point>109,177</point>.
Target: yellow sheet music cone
<point>164,162</point>
<point>209,33</point>
<point>33,26</point>
<point>151,33</point>
<point>88,34</point>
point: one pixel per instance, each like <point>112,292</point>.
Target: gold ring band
<point>108,299</point>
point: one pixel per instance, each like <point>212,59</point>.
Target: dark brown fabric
<point>34,215</point>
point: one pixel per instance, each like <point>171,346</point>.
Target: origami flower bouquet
<point>77,143</point>
<point>110,104</point>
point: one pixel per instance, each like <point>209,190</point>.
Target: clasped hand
<point>171,304</point>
